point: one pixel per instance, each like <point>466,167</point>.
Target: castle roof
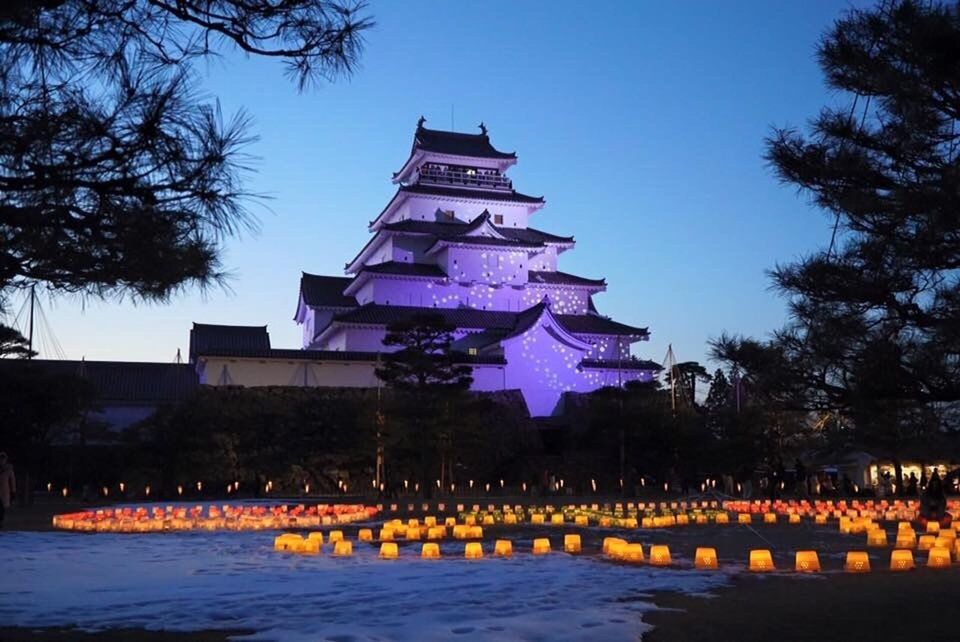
<point>563,278</point>
<point>465,192</point>
<point>452,230</point>
<point>456,143</point>
<point>404,269</point>
<point>204,337</point>
<point>326,291</point>
<point>376,314</point>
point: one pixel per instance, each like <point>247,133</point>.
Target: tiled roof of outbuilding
<point>563,278</point>
<point>205,337</point>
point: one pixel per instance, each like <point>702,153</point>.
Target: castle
<point>455,240</point>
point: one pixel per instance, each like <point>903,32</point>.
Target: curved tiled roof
<point>453,230</point>
<point>205,337</point>
<point>622,364</point>
<point>483,195</point>
<point>563,278</point>
<point>326,291</point>
<point>457,144</point>
<point>405,269</point>
<point>376,314</point>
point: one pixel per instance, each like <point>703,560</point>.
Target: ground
<point>732,605</point>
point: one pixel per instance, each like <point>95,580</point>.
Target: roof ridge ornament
<point>421,122</point>
<point>483,128</point>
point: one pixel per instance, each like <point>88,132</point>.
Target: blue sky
<point>642,123</point>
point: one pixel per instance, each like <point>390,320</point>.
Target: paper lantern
<point>430,551</point>
<point>705,558</point>
<point>630,522</point>
<point>794,518</point>
<point>721,518</point>
<point>632,553</point>
<point>820,518</point>
<point>475,532</point>
<point>311,546</point>
<point>470,520</point>
<point>536,518</point>
<point>906,539</point>
<point>541,546</point>
<point>901,560</point>
<point>289,542</point>
<point>609,541</point>
<point>926,542</point>
<point>571,543</point>
<point>701,519</point>
<point>581,520</point>
<point>938,557</point>
<point>317,535</point>
<point>807,562</point>
<point>857,562</point>
<point>450,521</point>
<point>660,555</point>
<point>943,542</point>
<point>770,518</point>
<point>413,533</point>
<point>436,532</point>
<point>933,527</point>
<point>503,548</point>
<point>904,526</point>
<point>413,523</point>
<point>473,550</point>
<point>343,548</point>
<point>744,518</point>
<point>510,518</point>
<point>761,560</point>
<point>556,518</point>
<point>365,535</point>
<point>389,551</point>
<point>430,521</point>
<point>335,536</point>
<point>682,520</point>
<point>386,535</point>
<point>877,537</point>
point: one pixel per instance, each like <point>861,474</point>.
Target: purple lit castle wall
<point>455,239</point>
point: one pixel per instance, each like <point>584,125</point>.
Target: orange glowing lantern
<point>316,535</point>
<point>541,546</point>
<point>807,562</point>
<point>473,550</point>
<point>926,542</point>
<point>901,560</point>
<point>721,518</point>
<point>632,553</point>
<point>430,551</point>
<point>933,527</point>
<point>503,548</point>
<point>906,539</point>
<point>389,551</point>
<point>386,535</point>
<point>761,560</point>
<point>744,518</point>
<point>877,537</point>
<point>857,562</point>
<point>556,518</point>
<point>660,555</point>
<point>365,535</point>
<point>938,557</point>
<point>705,558</point>
<point>536,518</point>
<point>820,518</point>
<point>770,518</point>
<point>794,518</point>
<point>510,518</point>
<point>335,536</point>
<point>571,543</point>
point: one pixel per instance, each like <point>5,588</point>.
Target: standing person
<point>800,475</point>
<point>8,486</point>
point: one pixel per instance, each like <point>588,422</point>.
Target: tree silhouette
<point>116,178</point>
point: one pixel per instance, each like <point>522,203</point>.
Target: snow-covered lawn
<point>192,581</point>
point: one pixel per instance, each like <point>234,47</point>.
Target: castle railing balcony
<point>464,178</point>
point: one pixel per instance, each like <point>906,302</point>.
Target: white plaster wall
<point>423,208</point>
<point>563,300</point>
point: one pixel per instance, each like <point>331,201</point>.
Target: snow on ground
<point>193,581</point>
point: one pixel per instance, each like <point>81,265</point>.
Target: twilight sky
<point>642,123</point>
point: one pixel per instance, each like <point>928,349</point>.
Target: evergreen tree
<point>117,179</point>
<point>430,386</point>
<point>13,344</point>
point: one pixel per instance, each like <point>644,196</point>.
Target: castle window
<point>472,352</point>
<point>498,219</point>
